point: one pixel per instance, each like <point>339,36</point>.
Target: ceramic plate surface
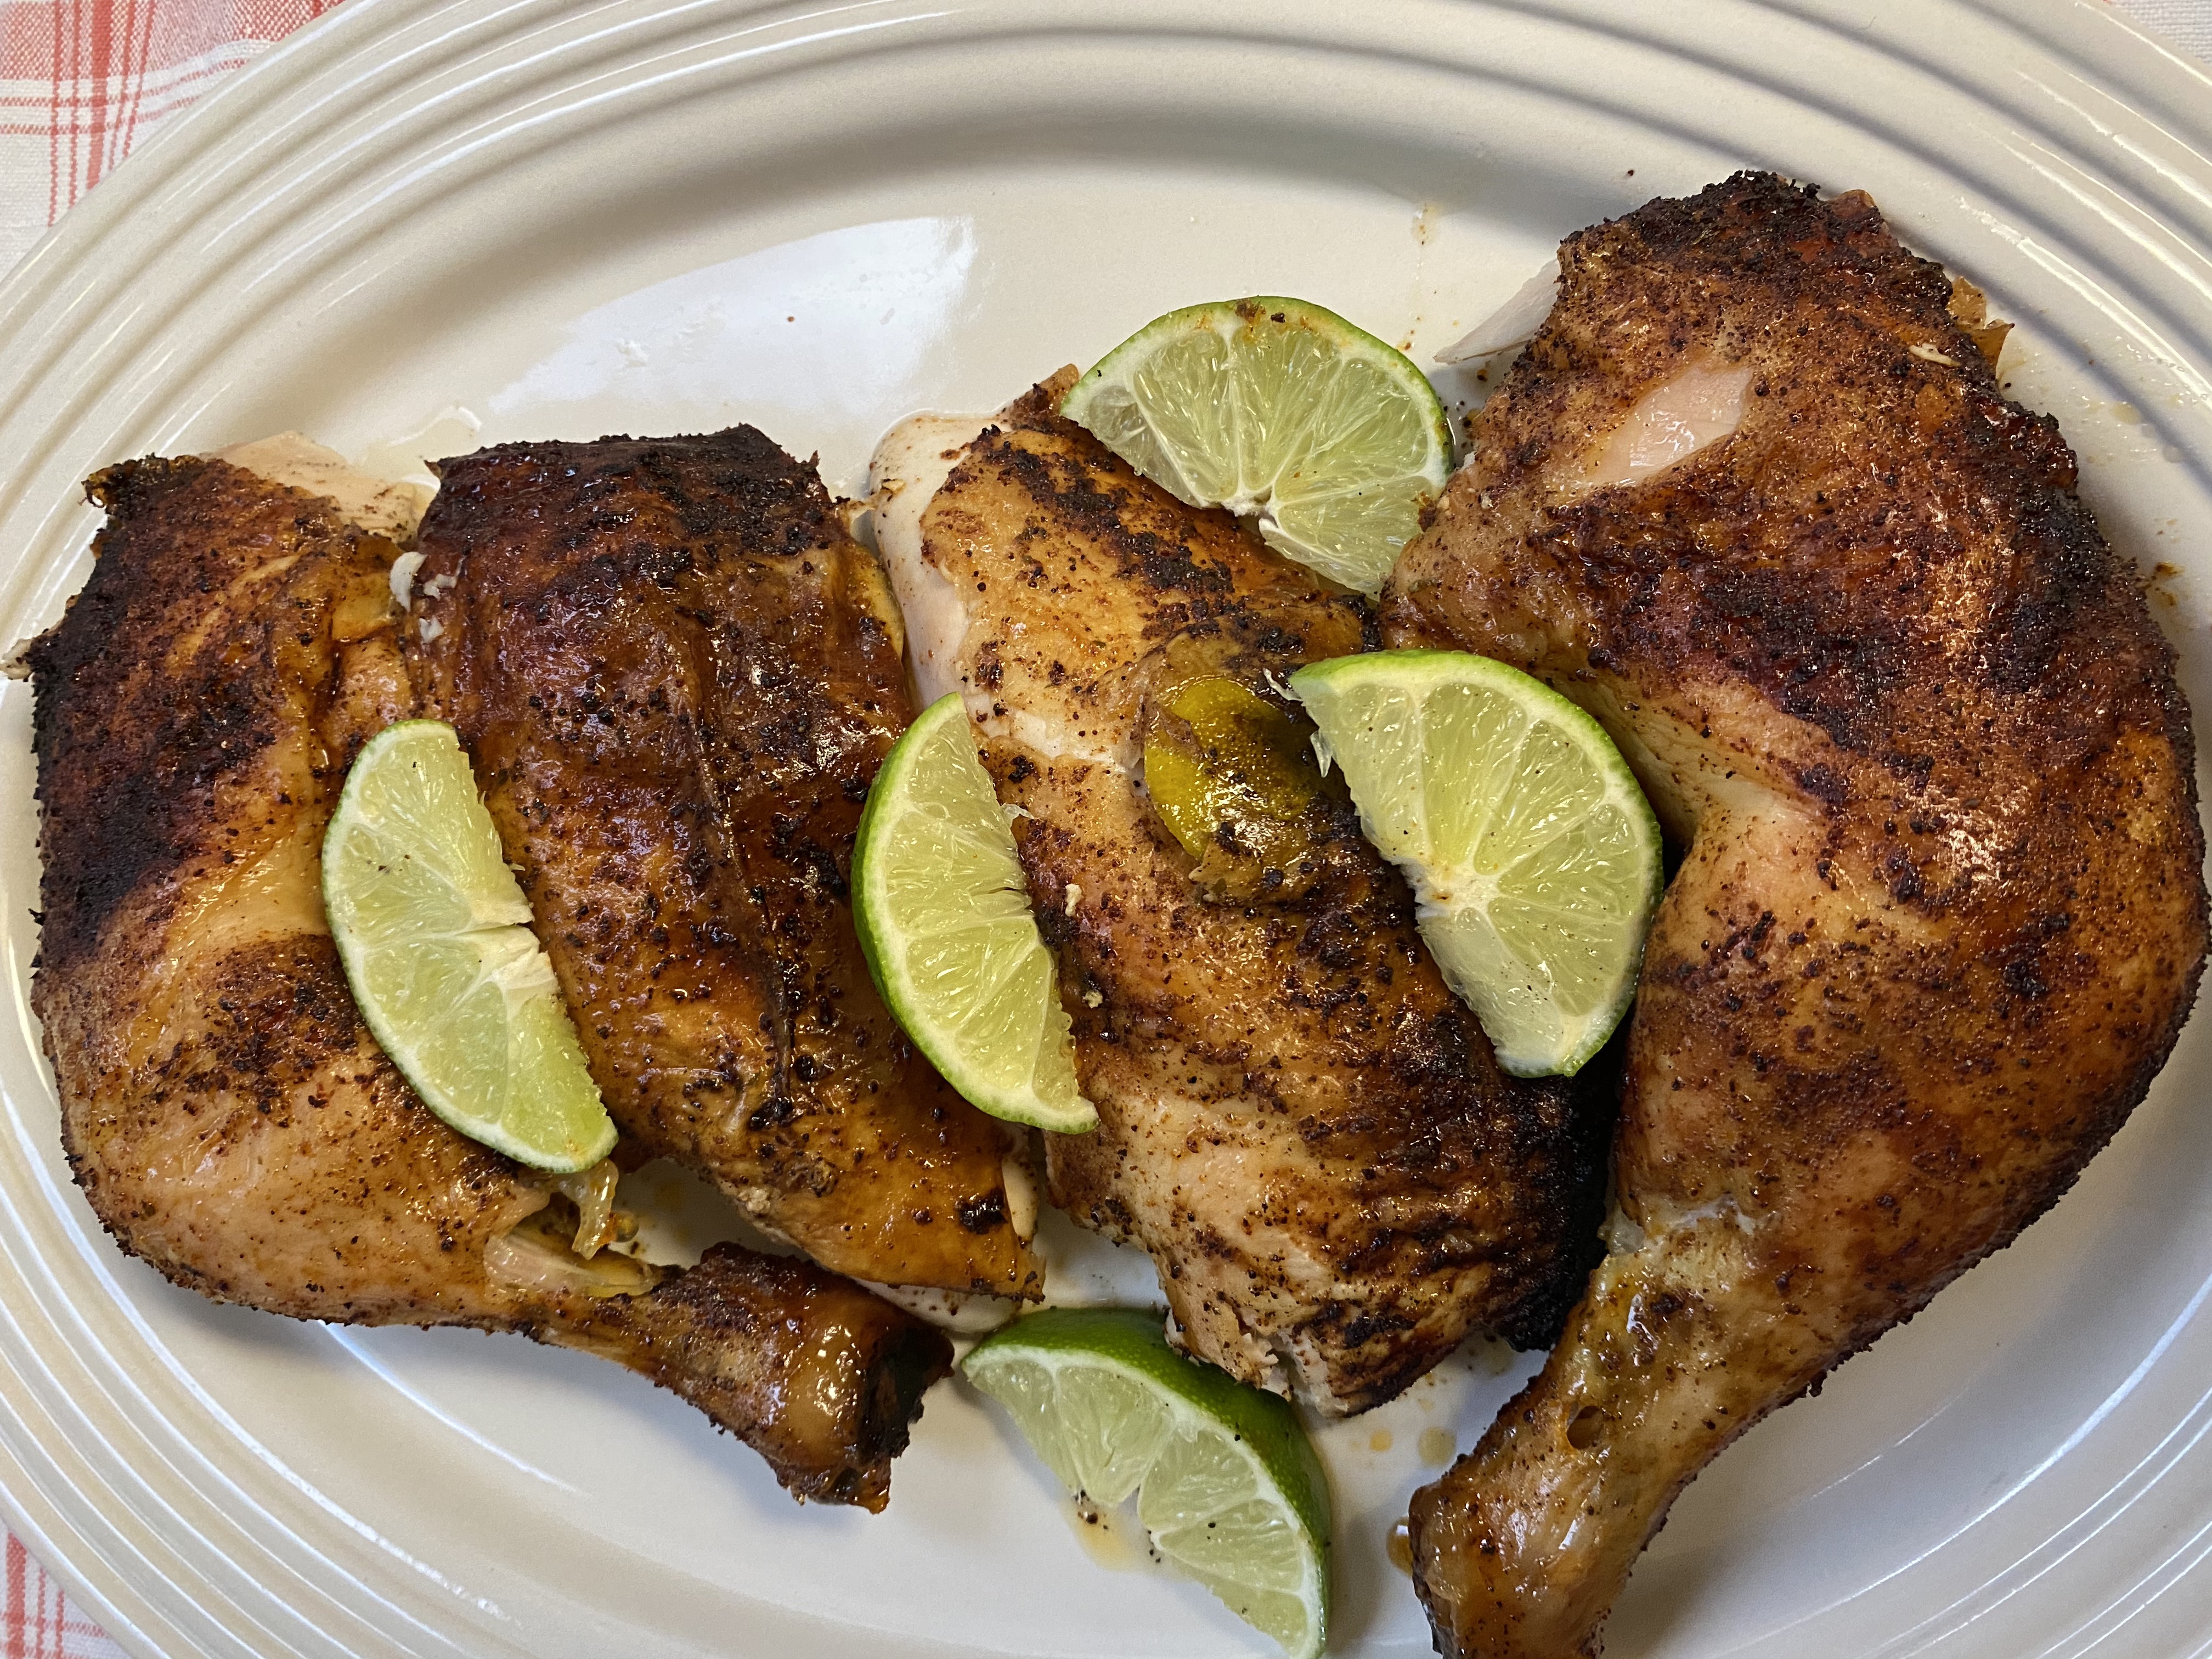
<point>567,220</point>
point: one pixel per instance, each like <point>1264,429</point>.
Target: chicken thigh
<point>224,1106</point>
<point>677,675</point>
<point>1753,498</point>
<point>1297,1118</point>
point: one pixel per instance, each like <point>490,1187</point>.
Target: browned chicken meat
<point>677,675</point>
<point>1297,1119</point>
<point>223,1106</point>
<point>1753,498</point>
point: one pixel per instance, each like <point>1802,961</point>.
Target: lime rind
<point>1533,854</point>
<point>1227,1485</point>
<point>432,931</point>
<point>1278,409</point>
<point>942,914</point>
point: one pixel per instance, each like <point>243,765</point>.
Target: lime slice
<point>942,912</point>
<point>1531,850</point>
<point>1226,1484</point>
<point>1278,408</point>
<point>435,940</point>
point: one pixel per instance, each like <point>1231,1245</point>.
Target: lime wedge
<point>1278,408</point>
<point>435,935</point>
<point>943,913</point>
<point>1226,1483</point>
<point>1533,854</point>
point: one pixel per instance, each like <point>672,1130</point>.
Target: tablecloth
<point>80,82</point>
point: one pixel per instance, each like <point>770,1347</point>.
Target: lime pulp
<point>1279,410</point>
<point>1227,1485</point>
<point>433,933</point>
<point>1534,857</point>
<point>942,912</point>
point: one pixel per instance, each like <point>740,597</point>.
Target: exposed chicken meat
<point>1298,1120</point>
<point>1941,914</point>
<point>223,1106</point>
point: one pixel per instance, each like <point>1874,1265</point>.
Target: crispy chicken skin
<point>224,1109</point>
<point>1299,1123</point>
<point>677,675</point>
<point>1941,913</point>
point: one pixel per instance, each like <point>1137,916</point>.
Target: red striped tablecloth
<point>36,1619</point>
<point>82,81</point>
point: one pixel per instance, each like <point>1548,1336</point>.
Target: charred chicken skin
<point>1753,498</point>
<point>677,675</point>
<point>223,1106</point>
<point>1297,1119</point>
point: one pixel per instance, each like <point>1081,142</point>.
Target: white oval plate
<point>572,219</point>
